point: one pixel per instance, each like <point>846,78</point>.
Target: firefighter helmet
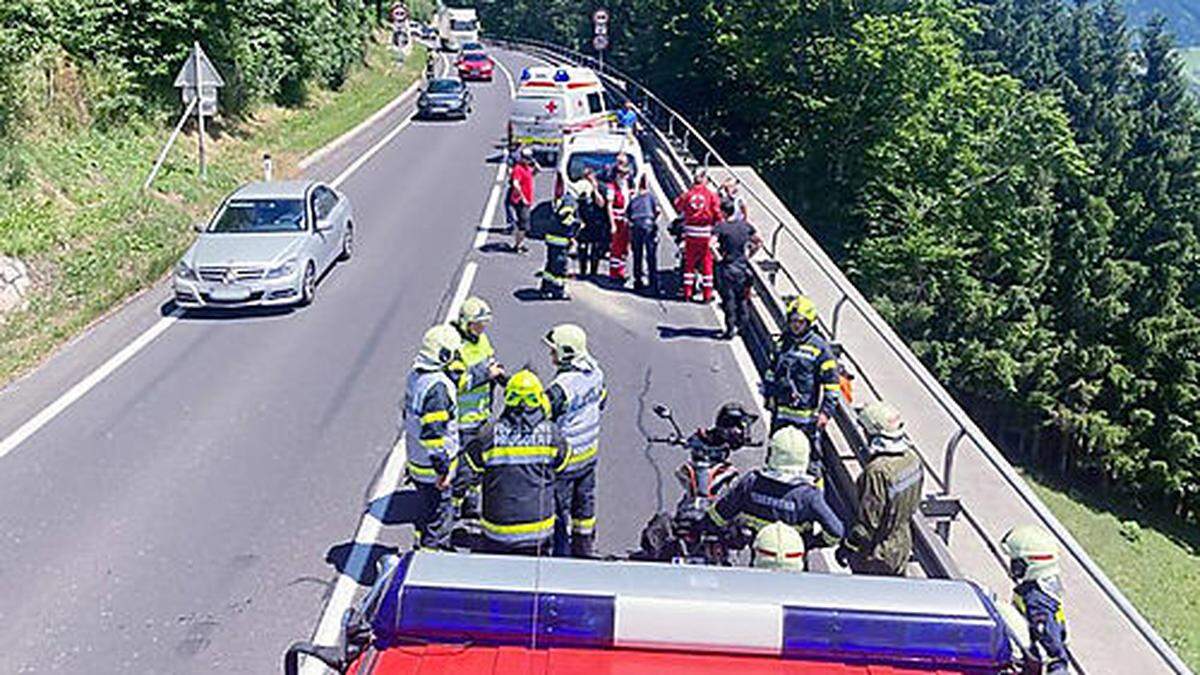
<point>779,546</point>
<point>803,307</point>
<point>568,342</point>
<point>1032,553</point>
<point>441,346</point>
<point>474,310</point>
<point>789,452</point>
<point>879,418</point>
<point>524,390</point>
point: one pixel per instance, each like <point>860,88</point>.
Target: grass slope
<point>91,238</point>
<point>1154,559</point>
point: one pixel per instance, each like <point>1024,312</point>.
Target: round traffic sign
<point>600,16</point>
<point>600,42</point>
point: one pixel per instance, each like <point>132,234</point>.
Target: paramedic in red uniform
<point>619,192</point>
<point>701,209</point>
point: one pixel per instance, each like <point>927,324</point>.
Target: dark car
<point>444,98</point>
<point>475,66</point>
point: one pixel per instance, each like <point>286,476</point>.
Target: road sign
<point>600,42</point>
<point>600,16</point>
<point>198,73</point>
<point>600,29</point>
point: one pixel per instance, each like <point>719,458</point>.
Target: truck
<point>457,26</point>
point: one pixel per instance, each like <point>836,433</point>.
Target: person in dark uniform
<point>1038,595</point>
<point>782,491</point>
<point>738,242</point>
<point>560,232</point>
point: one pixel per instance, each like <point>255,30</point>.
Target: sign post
<point>198,82</point>
<point>600,33</point>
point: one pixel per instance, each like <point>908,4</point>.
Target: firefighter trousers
<point>554,276</point>
<point>436,516</point>
<point>697,266</point>
<point>575,506</point>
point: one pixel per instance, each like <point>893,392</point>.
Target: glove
<point>842,555</point>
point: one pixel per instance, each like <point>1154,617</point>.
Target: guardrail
<point>682,139</point>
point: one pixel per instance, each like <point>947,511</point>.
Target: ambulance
<point>552,102</point>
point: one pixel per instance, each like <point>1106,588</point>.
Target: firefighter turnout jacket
<point>577,397</point>
<point>1041,602</point>
<point>803,380</point>
<point>475,385</point>
<point>519,457</point>
<point>430,424</point>
<point>760,498</point>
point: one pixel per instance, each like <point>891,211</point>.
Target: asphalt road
<point>177,518</point>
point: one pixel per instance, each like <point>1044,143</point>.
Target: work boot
<point>583,545</point>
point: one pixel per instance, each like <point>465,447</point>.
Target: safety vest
<point>580,422</point>
<point>519,471</point>
<point>475,404</point>
<point>420,451</point>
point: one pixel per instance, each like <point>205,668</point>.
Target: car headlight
<point>287,269</point>
<point>184,272</point>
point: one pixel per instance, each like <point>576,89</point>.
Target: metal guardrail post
<point>837,315</point>
<point>951,451</point>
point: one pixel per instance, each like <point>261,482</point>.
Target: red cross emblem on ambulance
<point>551,106</point>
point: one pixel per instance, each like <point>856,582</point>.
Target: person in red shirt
<point>701,209</point>
<point>520,195</point>
<point>618,194</point>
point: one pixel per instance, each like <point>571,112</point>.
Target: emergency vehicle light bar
<point>553,602</point>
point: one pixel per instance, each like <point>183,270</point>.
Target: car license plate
<point>229,293</point>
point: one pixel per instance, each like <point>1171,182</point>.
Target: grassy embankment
<point>91,238</point>
<point>1153,558</point>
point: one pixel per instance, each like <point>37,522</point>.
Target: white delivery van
<point>552,102</point>
<point>456,26</point>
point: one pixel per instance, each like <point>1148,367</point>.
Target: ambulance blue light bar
<point>561,75</point>
<point>551,602</point>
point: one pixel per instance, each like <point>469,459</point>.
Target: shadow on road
<point>358,561</point>
<point>671,332</point>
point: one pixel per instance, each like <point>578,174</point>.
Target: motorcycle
<point>684,537</point>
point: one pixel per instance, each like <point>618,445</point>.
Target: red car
<point>475,66</point>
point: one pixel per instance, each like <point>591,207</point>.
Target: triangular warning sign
<point>188,75</point>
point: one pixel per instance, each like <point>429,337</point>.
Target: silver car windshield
<point>260,216</point>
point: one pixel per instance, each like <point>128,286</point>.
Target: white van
<point>552,102</point>
<point>457,26</point>
<point>598,151</point>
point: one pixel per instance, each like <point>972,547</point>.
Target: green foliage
<point>1014,183</point>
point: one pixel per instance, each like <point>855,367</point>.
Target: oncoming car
<point>444,98</point>
<point>268,244</point>
<point>475,66</point>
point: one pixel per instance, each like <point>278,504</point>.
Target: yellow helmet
<point>525,390</point>
<point>804,307</point>
<point>474,310</point>
<point>568,341</point>
<point>879,418</point>
<point>1032,553</point>
<point>441,346</point>
<point>779,546</point>
<point>789,452</point>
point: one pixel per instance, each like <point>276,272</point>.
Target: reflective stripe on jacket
<point>430,425</point>
<point>576,409</point>
<point>519,457</point>
<point>803,380</point>
<point>475,388</point>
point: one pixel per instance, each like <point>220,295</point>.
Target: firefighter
<point>480,373</point>
<point>700,210</point>
<point>430,424</point>
<point>889,492</point>
<point>1038,595</point>
<point>577,399</point>
<point>802,386</point>
<point>559,234</point>
<point>778,546</point>
<point>519,457</point>
<point>781,491</point>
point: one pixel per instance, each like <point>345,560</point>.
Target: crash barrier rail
<point>682,139</point>
<point>557,602</point>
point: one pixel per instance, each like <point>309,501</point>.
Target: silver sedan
<point>268,244</point>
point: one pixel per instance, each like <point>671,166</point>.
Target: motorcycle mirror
<point>662,411</point>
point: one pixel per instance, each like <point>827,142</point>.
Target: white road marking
<point>371,152</point>
<point>76,392</point>
<point>512,87</point>
<point>460,294</point>
<point>85,385</point>
<point>489,211</point>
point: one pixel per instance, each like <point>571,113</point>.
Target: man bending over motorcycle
<point>782,491</point>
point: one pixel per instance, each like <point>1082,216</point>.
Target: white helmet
<point>568,342</point>
<point>440,347</point>
<point>474,310</point>
<point>779,546</point>
<point>788,453</point>
<point>880,418</point>
<point>1032,553</point>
